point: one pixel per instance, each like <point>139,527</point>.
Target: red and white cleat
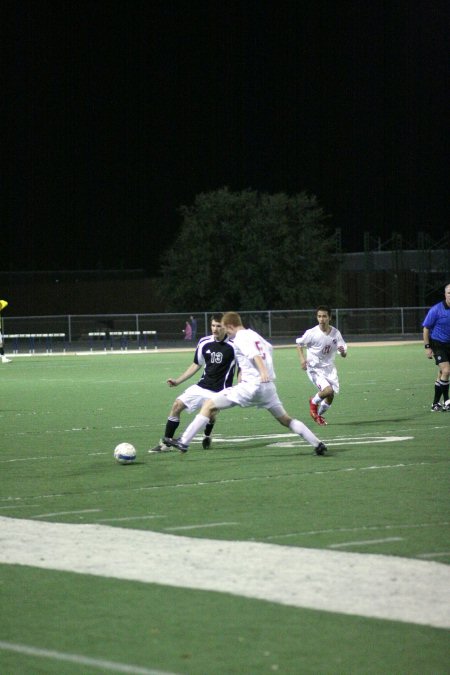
<point>313,409</point>
<point>320,420</point>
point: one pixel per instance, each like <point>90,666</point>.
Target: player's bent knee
<point>177,408</point>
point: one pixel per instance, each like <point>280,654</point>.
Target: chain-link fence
<point>148,331</point>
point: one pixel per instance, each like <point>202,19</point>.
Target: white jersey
<point>322,347</point>
<point>248,344</point>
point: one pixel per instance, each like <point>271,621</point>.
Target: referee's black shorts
<point>441,351</point>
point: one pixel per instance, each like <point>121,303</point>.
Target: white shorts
<point>324,377</point>
<point>194,397</point>
<point>246,394</point>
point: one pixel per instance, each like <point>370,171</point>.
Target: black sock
<point>444,389</point>
<point>437,392</point>
<point>172,425</point>
<point>208,429</point>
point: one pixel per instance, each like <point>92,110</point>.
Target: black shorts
<point>441,351</point>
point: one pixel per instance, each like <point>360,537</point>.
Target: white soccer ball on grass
<point>125,453</point>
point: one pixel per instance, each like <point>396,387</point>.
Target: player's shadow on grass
<point>358,423</point>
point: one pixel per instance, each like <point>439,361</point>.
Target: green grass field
<point>383,489</point>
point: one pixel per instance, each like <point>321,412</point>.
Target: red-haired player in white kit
<point>322,343</point>
<point>256,387</point>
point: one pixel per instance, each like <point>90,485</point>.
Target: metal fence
<point>145,331</point>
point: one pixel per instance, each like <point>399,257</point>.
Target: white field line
<point>177,528</point>
<point>65,513</point>
<point>225,481</point>
<point>379,586</point>
<point>366,542</point>
<point>79,659</point>
<point>115,520</point>
<point>435,555</point>
<point>364,528</point>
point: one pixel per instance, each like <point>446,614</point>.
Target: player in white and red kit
<point>256,387</point>
<point>322,343</point>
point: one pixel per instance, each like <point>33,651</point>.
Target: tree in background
<point>250,250</point>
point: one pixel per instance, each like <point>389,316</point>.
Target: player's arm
<point>342,351</point>
<point>426,342</point>
<point>259,363</point>
<point>302,356</point>
<point>189,372</point>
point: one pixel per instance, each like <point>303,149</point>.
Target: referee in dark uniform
<point>436,338</point>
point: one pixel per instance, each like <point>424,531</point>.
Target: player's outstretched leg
<point>182,443</point>
<point>302,430</point>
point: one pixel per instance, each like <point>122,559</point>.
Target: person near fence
<point>215,353</point>
<point>3,304</point>
<point>255,388</point>
<point>436,340</point>
<point>194,327</point>
<point>321,343</point>
<point>187,331</point>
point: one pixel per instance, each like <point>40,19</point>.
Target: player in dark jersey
<point>215,353</point>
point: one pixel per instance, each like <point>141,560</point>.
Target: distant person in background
<point>3,304</point>
<point>436,340</point>
<point>215,353</point>
<point>322,343</point>
<point>187,331</point>
<point>194,327</point>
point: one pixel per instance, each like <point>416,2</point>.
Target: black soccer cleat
<point>161,447</point>
<point>321,449</point>
<point>176,443</point>
<point>206,442</point>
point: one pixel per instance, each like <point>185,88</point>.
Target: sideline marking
<point>223,481</point>
<point>367,542</point>
<point>356,529</point>
<point>196,527</point>
<point>115,520</point>
<point>79,659</point>
<point>65,513</point>
<point>358,584</point>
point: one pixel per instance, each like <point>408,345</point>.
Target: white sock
<point>323,408</point>
<point>199,422</point>
<point>316,399</point>
<point>302,430</point>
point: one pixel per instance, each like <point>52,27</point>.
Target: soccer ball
<point>125,453</point>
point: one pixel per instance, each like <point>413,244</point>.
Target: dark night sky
<point>118,113</point>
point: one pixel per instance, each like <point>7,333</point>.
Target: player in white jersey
<point>255,388</point>
<point>322,343</point>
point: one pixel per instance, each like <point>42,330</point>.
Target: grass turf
<point>382,489</point>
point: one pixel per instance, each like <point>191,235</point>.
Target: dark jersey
<point>218,361</point>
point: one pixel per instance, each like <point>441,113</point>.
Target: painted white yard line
<point>365,542</point>
<point>364,528</point>
<point>177,528</point>
<point>65,513</point>
<point>434,555</point>
<point>225,481</point>
<point>378,586</point>
<point>78,659</point>
<point>116,520</point>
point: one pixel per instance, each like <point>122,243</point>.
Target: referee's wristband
<point>427,346</point>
